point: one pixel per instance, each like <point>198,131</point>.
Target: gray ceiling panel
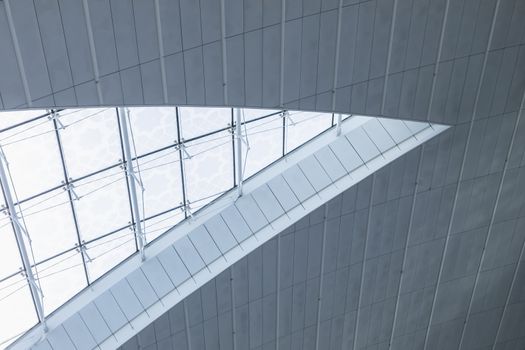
<point>376,37</point>
<point>111,89</point>
<point>54,44</point>
<point>175,77</point>
<point>194,76</point>
<point>103,36</point>
<point>253,58</point>
<point>170,20</point>
<point>271,51</point>
<point>11,85</point>
<point>77,41</point>
<point>212,58</point>
<point>30,46</point>
<point>151,82</point>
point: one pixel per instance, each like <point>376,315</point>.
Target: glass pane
<point>17,312</point>
<point>303,126</point>
<point>250,114</point>
<point>33,157</point>
<point>209,171</point>
<point>153,128</point>
<point>161,178</point>
<point>10,261</point>
<point>103,205</point>
<point>107,252</point>
<point>90,140</point>
<point>60,279</point>
<point>16,117</point>
<point>196,121</point>
<point>265,138</point>
<point>49,223</point>
<point>158,225</point>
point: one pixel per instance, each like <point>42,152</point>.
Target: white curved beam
<point>134,294</point>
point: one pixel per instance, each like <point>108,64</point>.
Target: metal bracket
<point>71,188</point>
<point>83,250</point>
<point>286,115</point>
<point>338,123</point>
<point>186,208</point>
<point>182,147</point>
<point>53,115</point>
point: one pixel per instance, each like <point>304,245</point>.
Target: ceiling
<point>457,62</point>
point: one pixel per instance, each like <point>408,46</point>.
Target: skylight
<point>74,199</point>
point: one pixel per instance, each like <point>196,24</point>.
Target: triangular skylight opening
<point>66,173</point>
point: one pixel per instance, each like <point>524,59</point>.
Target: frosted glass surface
<point>15,299</point>
<point>103,205</point>
<point>90,139</point>
<point>210,169</point>
<point>153,128</point>
<point>265,141</point>
<point>10,261</point>
<point>197,121</point>
<point>60,279</point>
<point>303,126</point>
<point>161,178</point>
<point>107,252</point>
<point>33,157</point>
<point>49,223</point>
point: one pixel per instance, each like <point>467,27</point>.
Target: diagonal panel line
<point>452,217</point>
<point>18,54</point>
<point>507,300</point>
<point>405,253</point>
<point>92,50</point>
<point>369,214</point>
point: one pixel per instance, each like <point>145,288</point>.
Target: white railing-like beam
<point>36,293</point>
<point>130,173</point>
<point>238,148</point>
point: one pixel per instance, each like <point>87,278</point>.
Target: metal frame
<point>181,148</point>
<point>68,187</point>
<point>125,138</point>
<point>71,182</point>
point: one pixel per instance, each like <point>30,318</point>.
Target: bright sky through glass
<point>68,179</point>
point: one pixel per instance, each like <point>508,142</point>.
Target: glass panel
<point>107,252</point>
<point>49,223</point>
<point>10,261</point>
<point>265,138</point>
<point>250,114</point>
<point>16,117</point>
<point>60,279</point>
<point>209,171</point>
<point>103,205</point>
<point>153,128</point>
<point>90,140</point>
<point>303,126</point>
<point>33,157</point>
<point>161,177</point>
<point>17,310</point>
<point>158,225</point>
<point>196,121</point>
